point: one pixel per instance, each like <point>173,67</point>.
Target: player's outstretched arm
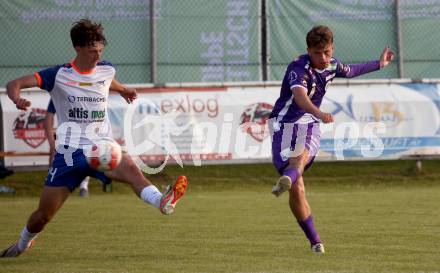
<point>14,87</point>
<point>355,70</point>
<point>129,94</point>
<point>303,101</point>
<point>386,57</point>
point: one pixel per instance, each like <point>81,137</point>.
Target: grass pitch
<point>372,216</point>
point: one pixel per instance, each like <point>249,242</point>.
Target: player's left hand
<point>129,94</point>
<point>386,57</point>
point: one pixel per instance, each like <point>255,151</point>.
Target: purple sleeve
<point>296,76</point>
<point>354,70</point>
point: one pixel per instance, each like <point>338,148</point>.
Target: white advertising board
<point>229,124</point>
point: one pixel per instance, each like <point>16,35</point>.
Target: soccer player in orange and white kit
<point>79,91</point>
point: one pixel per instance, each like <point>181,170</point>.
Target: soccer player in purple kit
<point>294,121</point>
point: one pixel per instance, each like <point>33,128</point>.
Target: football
<point>104,155</point>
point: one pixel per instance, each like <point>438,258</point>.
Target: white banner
<point>391,121</point>
<point>230,124</point>
<point>23,131</point>
<point>198,125</point>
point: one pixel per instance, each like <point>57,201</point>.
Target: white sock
<point>85,183</point>
<point>151,195</point>
<point>25,239</point>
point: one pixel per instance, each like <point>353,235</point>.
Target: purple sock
<point>309,229</point>
<point>293,174</point>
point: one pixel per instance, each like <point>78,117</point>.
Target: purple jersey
<point>299,73</point>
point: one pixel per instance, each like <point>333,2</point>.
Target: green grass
<point>372,216</point>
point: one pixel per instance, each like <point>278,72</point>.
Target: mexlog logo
<point>188,105</point>
<point>254,120</point>
<point>28,126</point>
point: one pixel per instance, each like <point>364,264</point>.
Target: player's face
<point>320,56</point>
<point>91,54</point>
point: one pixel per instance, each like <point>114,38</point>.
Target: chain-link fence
<point>219,40</point>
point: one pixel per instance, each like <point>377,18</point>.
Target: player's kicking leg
<point>51,201</point>
<point>306,136</point>
<point>290,173</point>
<point>128,172</point>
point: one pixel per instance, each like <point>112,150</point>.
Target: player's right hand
<point>22,104</point>
<point>129,94</point>
<point>325,117</point>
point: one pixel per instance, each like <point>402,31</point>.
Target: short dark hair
<point>86,32</point>
<point>319,36</point>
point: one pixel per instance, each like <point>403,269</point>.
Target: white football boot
<point>284,183</point>
<point>318,248</point>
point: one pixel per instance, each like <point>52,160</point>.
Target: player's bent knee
<point>297,163</point>
<point>297,193</point>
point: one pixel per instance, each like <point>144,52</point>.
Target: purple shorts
<point>290,140</point>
